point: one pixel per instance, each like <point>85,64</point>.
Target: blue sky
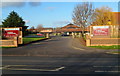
<point>49,14</point>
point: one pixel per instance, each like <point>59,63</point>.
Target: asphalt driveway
<point>58,55</point>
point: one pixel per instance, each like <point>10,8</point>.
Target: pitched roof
<point>47,28</point>
<point>71,25</point>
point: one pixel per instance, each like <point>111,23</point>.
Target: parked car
<point>64,35</point>
<point>39,34</point>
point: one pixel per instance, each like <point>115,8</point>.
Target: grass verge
<point>28,40</point>
<point>107,47</point>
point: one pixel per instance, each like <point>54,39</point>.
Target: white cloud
<point>19,3</point>
<point>13,0</point>
<point>34,3</point>
<point>21,0</point>
<point>27,21</point>
<point>51,8</point>
<point>61,22</point>
<point>61,0</point>
<point>12,4</point>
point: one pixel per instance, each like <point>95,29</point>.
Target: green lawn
<point>28,40</point>
<point>107,47</point>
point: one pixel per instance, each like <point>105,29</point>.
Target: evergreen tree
<point>13,20</point>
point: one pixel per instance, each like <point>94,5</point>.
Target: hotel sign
<point>11,32</point>
<point>100,30</point>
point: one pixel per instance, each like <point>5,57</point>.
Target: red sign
<point>12,32</point>
<point>100,30</point>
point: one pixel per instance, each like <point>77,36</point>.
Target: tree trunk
<point>83,31</point>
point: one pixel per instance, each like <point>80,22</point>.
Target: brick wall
<point>104,41</point>
<point>8,43</point>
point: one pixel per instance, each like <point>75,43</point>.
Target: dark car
<point>64,35</point>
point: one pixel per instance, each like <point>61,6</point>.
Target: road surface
<point>58,55</point>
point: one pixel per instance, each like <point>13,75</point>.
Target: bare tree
<point>39,27</point>
<point>32,28</point>
<point>83,15</point>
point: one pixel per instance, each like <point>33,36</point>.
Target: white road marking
<point>112,53</point>
<point>107,71</point>
<point>106,66</point>
<point>2,67</point>
<point>116,71</point>
<point>59,68</point>
<point>56,61</point>
<point>78,48</point>
<point>9,67</point>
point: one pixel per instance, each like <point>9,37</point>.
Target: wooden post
<point>79,35</point>
<point>87,42</point>
<point>73,35</point>
<point>90,31</point>
<point>20,41</point>
<point>15,43</point>
<point>111,31</point>
<point>47,35</point>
